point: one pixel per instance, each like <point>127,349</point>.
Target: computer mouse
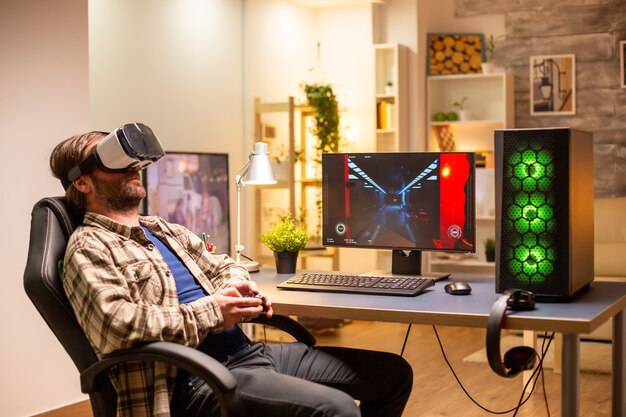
<point>458,288</point>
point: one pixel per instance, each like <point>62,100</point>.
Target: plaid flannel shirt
<point>124,294</point>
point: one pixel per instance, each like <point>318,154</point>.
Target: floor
<point>436,393</point>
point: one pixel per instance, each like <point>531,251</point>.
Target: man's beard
<point>119,194</point>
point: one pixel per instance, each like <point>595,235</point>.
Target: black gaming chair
<point>51,226</point>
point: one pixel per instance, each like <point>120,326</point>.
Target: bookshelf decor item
<point>455,53</point>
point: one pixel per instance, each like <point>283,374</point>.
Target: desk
<point>589,310</point>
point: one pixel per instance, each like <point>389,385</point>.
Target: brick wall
<point>590,29</point>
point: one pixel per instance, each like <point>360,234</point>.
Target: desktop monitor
<point>405,202</point>
<point>191,189</point>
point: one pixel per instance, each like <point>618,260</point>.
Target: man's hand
<point>236,308</point>
<point>250,289</point>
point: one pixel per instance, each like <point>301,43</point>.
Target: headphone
<point>517,359</point>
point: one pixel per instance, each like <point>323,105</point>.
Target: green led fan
<point>530,214</point>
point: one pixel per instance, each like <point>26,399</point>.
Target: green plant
<point>326,114</point>
<point>285,236</point>
<point>282,155</point>
<point>460,103</point>
<point>490,245</point>
<point>491,47</point>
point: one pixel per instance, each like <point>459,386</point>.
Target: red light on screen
<point>445,171</point>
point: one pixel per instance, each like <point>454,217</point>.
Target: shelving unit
<point>490,99</point>
<point>299,178</point>
<point>391,109</point>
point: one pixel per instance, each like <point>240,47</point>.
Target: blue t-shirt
<point>217,345</point>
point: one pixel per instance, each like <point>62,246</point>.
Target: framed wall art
<point>622,63</point>
<point>455,53</point>
<point>552,85</point>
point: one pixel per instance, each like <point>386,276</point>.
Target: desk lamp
<point>257,171</point>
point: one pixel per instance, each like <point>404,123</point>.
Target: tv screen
<point>191,189</point>
<point>407,201</point>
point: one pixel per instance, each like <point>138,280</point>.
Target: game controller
<point>262,298</point>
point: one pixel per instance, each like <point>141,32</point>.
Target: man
<point>133,279</point>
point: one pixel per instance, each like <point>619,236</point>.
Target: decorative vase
<point>465,115</point>
<point>487,67</point>
<point>286,262</point>
<point>490,255</point>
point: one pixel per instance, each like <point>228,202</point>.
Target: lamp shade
<point>260,169</point>
<point>546,88</point>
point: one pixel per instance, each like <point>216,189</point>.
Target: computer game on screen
<point>409,201</point>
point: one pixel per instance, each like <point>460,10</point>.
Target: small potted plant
<point>487,66</point>
<point>490,249</point>
<point>389,88</point>
<point>285,239</point>
<point>464,114</point>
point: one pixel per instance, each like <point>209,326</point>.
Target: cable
<point>538,370</point>
<point>406,337</point>
<point>533,378</point>
<point>543,379</point>
<point>247,257</point>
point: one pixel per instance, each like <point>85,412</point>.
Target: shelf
<point>309,182</point>
<point>390,62</point>
<point>466,76</point>
<point>296,192</point>
<point>467,122</point>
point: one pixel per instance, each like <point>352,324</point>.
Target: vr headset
<point>132,146</point>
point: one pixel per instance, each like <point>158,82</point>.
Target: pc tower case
<point>544,211</point>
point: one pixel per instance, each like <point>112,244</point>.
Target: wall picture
<point>552,85</point>
<point>622,63</point>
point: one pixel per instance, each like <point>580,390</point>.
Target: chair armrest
<point>287,325</point>
<point>216,375</point>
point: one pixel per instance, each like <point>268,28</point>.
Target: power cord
<point>406,337</point>
<point>533,378</point>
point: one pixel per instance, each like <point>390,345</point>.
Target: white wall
<point>175,66</point>
<point>45,98</point>
<point>345,36</point>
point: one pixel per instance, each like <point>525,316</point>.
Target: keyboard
<point>358,284</point>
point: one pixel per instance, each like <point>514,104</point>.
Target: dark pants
<point>294,380</point>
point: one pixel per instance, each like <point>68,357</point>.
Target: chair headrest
<point>60,208</point>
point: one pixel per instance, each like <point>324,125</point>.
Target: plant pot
<point>491,256</point>
<point>487,67</point>
<point>286,262</point>
<point>464,115</point>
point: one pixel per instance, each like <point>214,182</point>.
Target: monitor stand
<point>403,263</point>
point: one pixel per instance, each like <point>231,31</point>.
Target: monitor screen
<point>191,189</point>
<point>418,201</point>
